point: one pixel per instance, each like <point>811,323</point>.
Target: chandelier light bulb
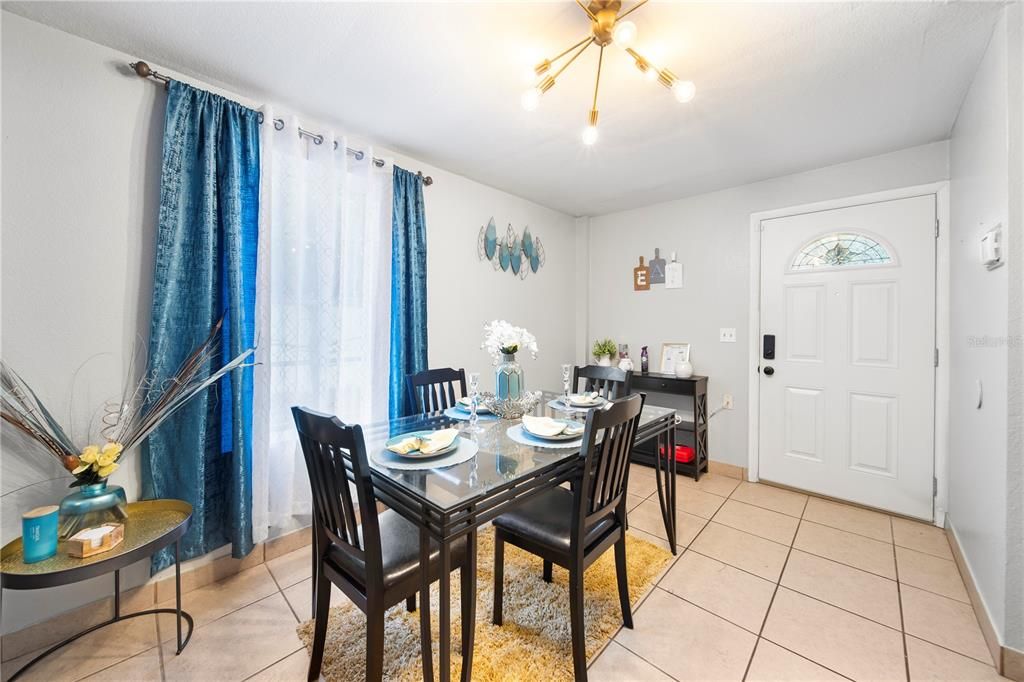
<point>590,135</point>
<point>530,99</point>
<point>624,33</point>
<point>684,90</point>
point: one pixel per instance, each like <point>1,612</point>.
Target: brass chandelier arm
<point>597,81</point>
<point>586,9</point>
<point>565,66</point>
<point>586,39</point>
<point>631,10</point>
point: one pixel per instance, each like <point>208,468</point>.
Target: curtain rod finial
<point>142,69</point>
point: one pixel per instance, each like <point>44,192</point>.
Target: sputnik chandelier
<point>606,27</point>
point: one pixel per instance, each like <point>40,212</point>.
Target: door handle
<point>769,370</point>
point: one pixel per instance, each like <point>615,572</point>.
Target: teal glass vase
<point>90,506</point>
<point>508,379</point>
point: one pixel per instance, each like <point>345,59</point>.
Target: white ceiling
<point>781,87</point>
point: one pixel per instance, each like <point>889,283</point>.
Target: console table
<point>151,525</point>
<point>691,428</point>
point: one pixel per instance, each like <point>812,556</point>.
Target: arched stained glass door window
<point>841,249</point>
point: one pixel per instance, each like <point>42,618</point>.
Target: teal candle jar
<point>39,534</point>
<point>508,379</point>
<point>91,505</point>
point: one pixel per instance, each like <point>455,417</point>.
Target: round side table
<point>151,525</point>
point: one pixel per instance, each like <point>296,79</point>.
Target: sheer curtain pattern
<point>323,299</point>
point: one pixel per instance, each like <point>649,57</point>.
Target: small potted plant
<point>603,352</point>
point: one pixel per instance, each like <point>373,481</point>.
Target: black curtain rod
<point>143,70</point>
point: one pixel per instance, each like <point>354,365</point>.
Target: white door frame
<point>940,190</point>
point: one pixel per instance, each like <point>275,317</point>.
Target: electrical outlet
<point>727,401</point>
<point>727,334</point>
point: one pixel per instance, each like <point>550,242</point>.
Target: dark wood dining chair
<point>610,382</point>
<point>433,390</point>
<point>572,529</point>
<point>375,563</point>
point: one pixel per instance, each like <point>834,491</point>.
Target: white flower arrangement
<point>501,338</point>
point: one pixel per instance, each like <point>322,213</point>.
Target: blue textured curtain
<point>205,268</point>
<point>408,287</point>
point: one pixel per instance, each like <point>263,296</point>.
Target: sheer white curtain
<point>323,303</point>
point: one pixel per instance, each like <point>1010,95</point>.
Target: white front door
<point>847,402</point>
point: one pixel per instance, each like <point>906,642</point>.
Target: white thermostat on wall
<point>992,247</point>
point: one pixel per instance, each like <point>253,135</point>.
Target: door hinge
<point>936,357</point>
<point>936,228</point>
<point>935,487</point>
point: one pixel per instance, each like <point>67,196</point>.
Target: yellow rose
<point>105,459</point>
<point>107,470</point>
<point>89,454</point>
<point>113,449</point>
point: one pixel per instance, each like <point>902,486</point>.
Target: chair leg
<point>547,571</point>
<point>410,603</point>
<point>499,577</point>
<point>579,632</point>
<point>323,602</point>
<point>621,577</point>
<point>467,586</point>
<point>374,642</point>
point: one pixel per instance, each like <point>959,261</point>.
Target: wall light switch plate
<point>727,334</point>
<point>727,401</point>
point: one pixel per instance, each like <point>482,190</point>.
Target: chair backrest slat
<point>434,389</point>
<point>607,442</point>
<point>610,382</point>
<point>339,477</point>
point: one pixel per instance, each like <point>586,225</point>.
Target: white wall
<point>81,168</point>
<point>985,497</point>
<point>465,292</point>
<point>710,233</point>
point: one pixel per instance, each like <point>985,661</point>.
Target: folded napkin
<point>438,440</point>
<point>543,426</point>
<point>573,429</point>
<point>429,444</point>
<point>405,446</point>
<point>585,398</point>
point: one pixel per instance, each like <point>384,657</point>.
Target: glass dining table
<point>453,502</point>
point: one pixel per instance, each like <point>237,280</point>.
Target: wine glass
<point>566,381</point>
<point>474,401</point>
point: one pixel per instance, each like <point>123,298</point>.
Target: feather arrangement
<point>142,408</point>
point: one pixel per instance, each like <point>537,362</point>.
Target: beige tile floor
<point>768,585</point>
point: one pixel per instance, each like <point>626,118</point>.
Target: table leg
<point>671,489</point>
<point>177,592</point>
<point>117,594</point>
<point>468,574</point>
<point>426,641</point>
<point>444,612</point>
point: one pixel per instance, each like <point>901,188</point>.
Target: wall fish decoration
<point>522,255</point>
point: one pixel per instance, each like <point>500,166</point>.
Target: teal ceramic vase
<point>508,380</point>
<point>90,506</point>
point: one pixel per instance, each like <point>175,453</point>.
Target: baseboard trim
<point>1008,662</point>
<point>725,469</point>
<point>158,589</point>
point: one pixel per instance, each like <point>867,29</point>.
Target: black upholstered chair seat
<point>547,520</point>
<point>400,552</point>
<point>572,529</point>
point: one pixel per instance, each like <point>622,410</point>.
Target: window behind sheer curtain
<point>323,299</point>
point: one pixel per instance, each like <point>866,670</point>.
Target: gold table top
<point>148,522</point>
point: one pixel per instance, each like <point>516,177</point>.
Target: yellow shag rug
<point>534,642</point>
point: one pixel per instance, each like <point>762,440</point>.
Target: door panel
<point>805,322</point>
<point>848,410</point>
<point>873,329</point>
